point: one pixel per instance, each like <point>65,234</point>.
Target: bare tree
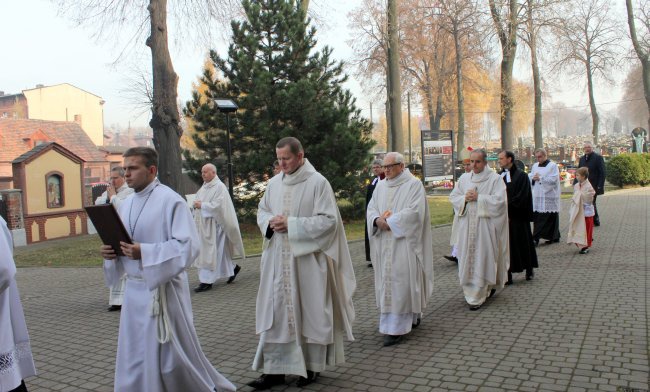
<point>507,16</point>
<point>588,44</point>
<point>461,19</point>
<point>641,43</point>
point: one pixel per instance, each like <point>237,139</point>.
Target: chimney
<point>40,86</point>
<point>77,119</point>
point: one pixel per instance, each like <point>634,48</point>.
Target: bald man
<point>216,222</point>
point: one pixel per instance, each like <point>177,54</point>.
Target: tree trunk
<point>643,55</point>
<point>507,134</point>
<point>389,134</point>
<point>428,92</point>
<point>165,118</point>
<point>460,97</point>
<point>537,83</point>
<point>595,120</point>
<point>394,90</point>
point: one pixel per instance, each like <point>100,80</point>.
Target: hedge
<point>629,169</point>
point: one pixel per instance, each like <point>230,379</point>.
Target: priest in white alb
<point>304,303</point>
<point>115,194</point>
<point>157,347</point>
<point>402,251</point>
<point>16,361</point>
<point>480,202</point>
<point>216,222</point>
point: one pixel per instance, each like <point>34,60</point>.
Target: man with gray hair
<point>399,225</point>
<point>115,194</point>
<point>216,223</point>
<point>596,165</point>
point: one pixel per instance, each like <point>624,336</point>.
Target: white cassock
<point>16,361</point>
<point>402,256</point>
<point>583,194</point>
<point>157,299</point>
<point>304,302</point>
<point>216,222</point>
<point>116,292</point>
<point>481,234</point>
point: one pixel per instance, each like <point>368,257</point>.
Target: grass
<point>83,251</point>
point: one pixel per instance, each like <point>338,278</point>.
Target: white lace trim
<point>9,360</point>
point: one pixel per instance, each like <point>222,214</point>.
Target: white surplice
<point>216,223</point>
<point>157,299</point>
<point>546,191</point>
<point>402,256</point>
<point>16,361</point>
<point>481,234</point>
<point>116,292</point>
<point>304,302</point>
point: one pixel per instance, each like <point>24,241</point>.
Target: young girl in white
<point>581,223</point>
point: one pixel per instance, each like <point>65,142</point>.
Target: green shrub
<point>629,169</point>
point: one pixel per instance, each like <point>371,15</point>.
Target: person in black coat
<point>596,165</point>
<point>523,256</point>
<point>379,175</point>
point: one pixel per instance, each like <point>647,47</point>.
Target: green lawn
<point>83,251</point>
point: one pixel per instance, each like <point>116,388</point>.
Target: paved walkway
<point>580,325</point>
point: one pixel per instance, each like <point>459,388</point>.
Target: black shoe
<point>232,278</point>
<point>203,287</point>
<point>416,323</point>
<point>390,340</point>
<point>114,308</point>
<point>451,258</point>
<point>492,292</point>
<point>552,241</point>
<point>584,250</point>
<point>596,223</point>
<point>303,382</point>
<point>536,242</point>
<point>474,307</point>
<point>509,282</point>
<point>369,265</point>
<point>266,381</point>
<point>530,275</point>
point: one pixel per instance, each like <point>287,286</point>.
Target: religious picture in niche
<point>54,191</point>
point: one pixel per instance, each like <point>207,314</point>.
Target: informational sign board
<point>437,155</point>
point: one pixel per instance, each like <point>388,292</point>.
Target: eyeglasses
<point>391,165</point>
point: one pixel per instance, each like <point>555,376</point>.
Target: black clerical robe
<point>520,213</point>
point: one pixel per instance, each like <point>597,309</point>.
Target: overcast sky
<point>41,47</point>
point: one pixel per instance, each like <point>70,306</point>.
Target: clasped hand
<point>471,195</point>
<point>279,224</point>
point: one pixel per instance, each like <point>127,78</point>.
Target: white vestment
<point>116,292</point>
<point>546,191</point>
<point>157,299</point>
<point>216,223</point>
<point>16,361</point>
<point>304,302</point>
<point>481,234</point>
<point>403,256</point>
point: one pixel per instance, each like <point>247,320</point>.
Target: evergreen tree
<point>284,87</point>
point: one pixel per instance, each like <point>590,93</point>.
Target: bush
<point>629,169</point>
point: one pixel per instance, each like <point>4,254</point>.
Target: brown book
<point>109,226</point>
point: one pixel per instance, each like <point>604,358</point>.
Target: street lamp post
<point>228,106</point>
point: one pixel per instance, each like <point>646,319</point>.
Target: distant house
<point>19,136</point>
<point>61,102</point>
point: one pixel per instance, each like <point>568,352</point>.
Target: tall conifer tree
<point>284,87</point>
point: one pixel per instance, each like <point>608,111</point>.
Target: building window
<point>54,188</point>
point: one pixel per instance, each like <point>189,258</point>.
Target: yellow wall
<point>36,192</point>
<point>57,227</point>
<point>62,102</point>
<point>35,234</point>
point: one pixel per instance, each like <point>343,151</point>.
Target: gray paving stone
<point>580,325</point>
